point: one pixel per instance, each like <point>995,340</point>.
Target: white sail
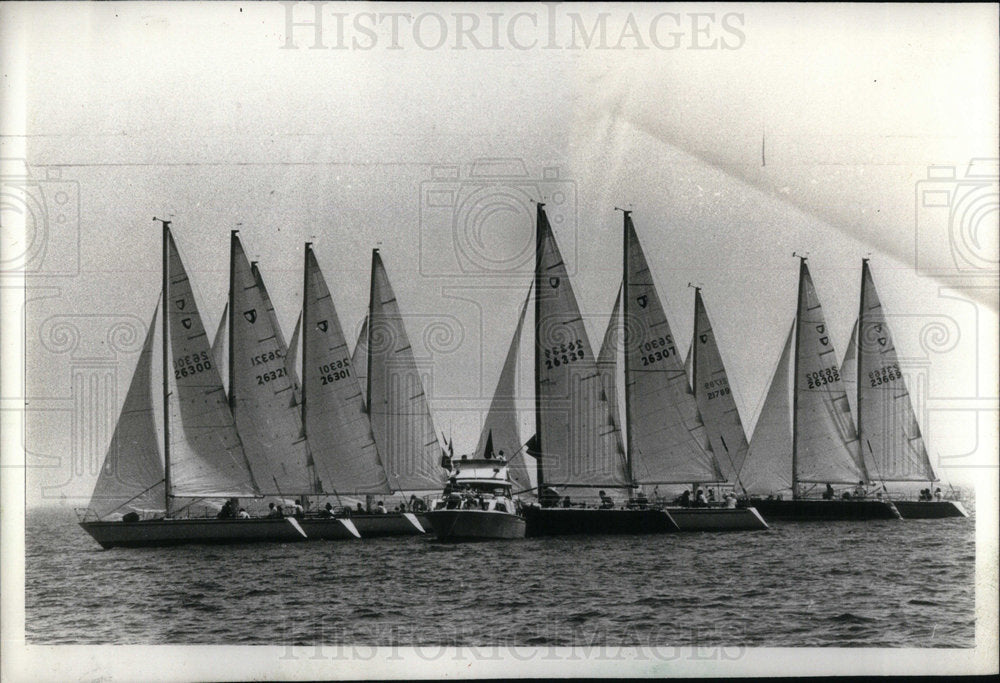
<point>715,397</point>
<point>849,372</point>
<point>521,469</point>
<point>890,437</point>
<point>359,359</point>
<point>825,440</point>
<point>767,467</point>
<point>607,363</point>
<point>339,432</point>
<point>400,415</point>
<point>293,353</point>
<point>501,427</point>
<point>577,435</point>
<point>219,356</point>
<point>666,435</point>
<point>206,457</point>
<point>262,390</point>
<point>131,477</point>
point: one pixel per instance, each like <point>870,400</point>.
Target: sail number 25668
<point>563,354</point>
<point>333,372</point>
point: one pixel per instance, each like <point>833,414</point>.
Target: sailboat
<point>577,445</point>
<point>667,440</point>
<point>805,437</point>
<point>891,442</point>
<point>201,453</point>
<point>344,455</point>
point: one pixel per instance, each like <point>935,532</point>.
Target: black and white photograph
<point>351,340</point>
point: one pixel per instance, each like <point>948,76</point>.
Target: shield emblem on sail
<point>642,301</point>
<point>825,341</point>
<point>251,315</point>
<point>322,325</point>
<point>703,338</point>
<point>186,323</point>
<point>553,282</point>
<point>821,328</point>
<point>881,341</point>
<point>180,304</point>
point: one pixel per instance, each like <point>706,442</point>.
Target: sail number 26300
<point>185,366</point>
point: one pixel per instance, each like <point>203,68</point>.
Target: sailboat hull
<point>812,510</point>
<point>388,524</point>
<point>929,509</point>
<point>168,532</point>
<point>717,519</point>
<point>458,525</point>
<point>573,521</point>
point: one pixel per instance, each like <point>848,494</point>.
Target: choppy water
<point>877,584</point>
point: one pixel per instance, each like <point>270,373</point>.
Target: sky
<point>738,134</point>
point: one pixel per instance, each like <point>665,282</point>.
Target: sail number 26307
<point>657,349</point>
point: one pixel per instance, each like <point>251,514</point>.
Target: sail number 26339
<point>563,354</point>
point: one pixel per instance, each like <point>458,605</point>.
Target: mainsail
<point>715,398</point>
<point>666,437</point>
<point>338,429</point>
<point>891,443</point>
<point>573,417</point>
<point>825,442</point>
<point>261,390</point>
<point>400,416</point>
<point>767,467</point>
<point>206,456</point>
<point>132,475</point>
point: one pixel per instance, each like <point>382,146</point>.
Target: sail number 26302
<point>823,377</point>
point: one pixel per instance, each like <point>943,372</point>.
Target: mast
<point>626,220</point>
<point>232,293</point>
<point>368,340</point>
<point>539,217</point>
<point>166,369</point>
<point>302,383</point>
<point>694,356</point>
<point>858,343</point>
<point>795,389</point>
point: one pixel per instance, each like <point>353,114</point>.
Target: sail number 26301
<point>333,372</point>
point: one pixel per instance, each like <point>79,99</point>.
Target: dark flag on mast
<point>532,446</point>
<point>446,455</point>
